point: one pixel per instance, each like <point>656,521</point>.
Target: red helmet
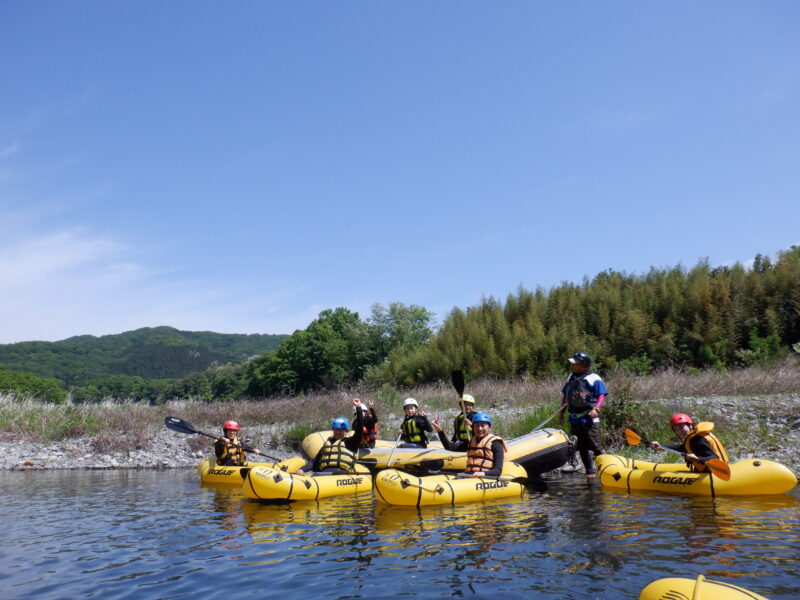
<point>680,419</point>
<point>232,425</point>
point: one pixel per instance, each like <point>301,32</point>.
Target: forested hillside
<point>136,362</point>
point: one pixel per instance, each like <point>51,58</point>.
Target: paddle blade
<point>632,437</point>
<point>719,468</point>
<point>458,382</point>
<point>179,425</point>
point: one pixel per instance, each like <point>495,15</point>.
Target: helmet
<point>340,423</point>
<point>680,419</point>
<point>467,398</point>
<point>410,402</point>
<point>482,418</point>
<point>580,358</point>
<point>232,425</point>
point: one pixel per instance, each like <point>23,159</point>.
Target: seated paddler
<point>698,444</point>
<point>485,451</point>
<point>228,447</point>
<point>339,452</point>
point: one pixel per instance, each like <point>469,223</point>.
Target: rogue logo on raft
<point>677,480</point>
<point>490,485</point>
<point>350,481</point>
<point>221,472</point>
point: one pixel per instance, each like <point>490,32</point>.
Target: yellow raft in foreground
<point>749,477</point>
<point>270,483</point>
<point>676,588</point>
<point>538,452</point>
<point>401,489</point>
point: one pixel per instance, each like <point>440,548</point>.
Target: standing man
<point>583,396</point>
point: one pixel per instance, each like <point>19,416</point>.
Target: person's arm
<point>499,452</point>
<point>424,424</point>
<point>219,448</point>
<point>459,446</point>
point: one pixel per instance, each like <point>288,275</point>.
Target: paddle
<point>716,466</point>
<point>391,456</point>
<point>458,382</point>
<point>181,426</point>
<point>540,425</point>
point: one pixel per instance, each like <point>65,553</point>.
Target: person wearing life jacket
<point>370,433</point>
<point>462,424</point>
<point>339,452</point>
<point>414,426</point>
<point>582,397</point>
<point>698,446</point>
<point>486,452</point>
<point>228,448</point>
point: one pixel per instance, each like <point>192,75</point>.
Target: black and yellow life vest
<point>412,433</point>
<point>229,452</point>
<point>479,453</point>
<point>335,455</point>
<point>461,429</point>
<point>713,441</point>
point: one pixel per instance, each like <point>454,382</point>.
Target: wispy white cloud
<point>73,282</point>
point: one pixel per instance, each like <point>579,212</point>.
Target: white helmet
<point>468,398</point>
<point>410,402</point>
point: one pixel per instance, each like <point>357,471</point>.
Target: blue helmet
<point>482,418</point>
<point>340,423</point>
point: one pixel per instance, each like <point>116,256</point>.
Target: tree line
<point>703,317</point>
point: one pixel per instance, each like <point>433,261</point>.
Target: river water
<point>160,534</point>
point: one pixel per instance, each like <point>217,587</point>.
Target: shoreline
<point>771,425</point>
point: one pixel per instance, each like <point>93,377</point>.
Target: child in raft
<point>485,451</point>
<point>414,426</point>
<point>698,446</point>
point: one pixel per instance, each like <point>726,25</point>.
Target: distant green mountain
<point>149,353</point>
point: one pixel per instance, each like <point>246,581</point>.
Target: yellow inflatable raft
<point>538,452</point>
<point>269,483</point>
<point>675,588</point>
<point>752,476</point>
<point>401,489</point>
<point>213,474</point>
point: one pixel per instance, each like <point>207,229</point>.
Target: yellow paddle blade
<point>719,468</point>
<point>632,438</point>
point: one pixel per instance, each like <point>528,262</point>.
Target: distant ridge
<point>150,352</point>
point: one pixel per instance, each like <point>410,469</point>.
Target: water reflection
<point>160,534</point>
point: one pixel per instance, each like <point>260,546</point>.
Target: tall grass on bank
<point>642,402</point>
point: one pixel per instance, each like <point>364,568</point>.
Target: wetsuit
<point>498,449</point>
<point>414,429</point>
<point>580,394</point>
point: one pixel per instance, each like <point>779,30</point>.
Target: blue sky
<point>240,167</point>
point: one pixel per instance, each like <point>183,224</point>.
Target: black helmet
<point>580,358</point>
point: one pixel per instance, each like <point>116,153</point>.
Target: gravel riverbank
<point>765,426</point>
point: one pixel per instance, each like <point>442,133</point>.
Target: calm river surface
<point>159,534</point>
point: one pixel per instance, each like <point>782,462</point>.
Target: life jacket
<point>229,452</point>
<point>479,453</point>
<point>463,432</point>
<point>369,435</point>
<point>712,440</point>
<point>412,433</point>
<point>335,455</point>
<point>580,396</point>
